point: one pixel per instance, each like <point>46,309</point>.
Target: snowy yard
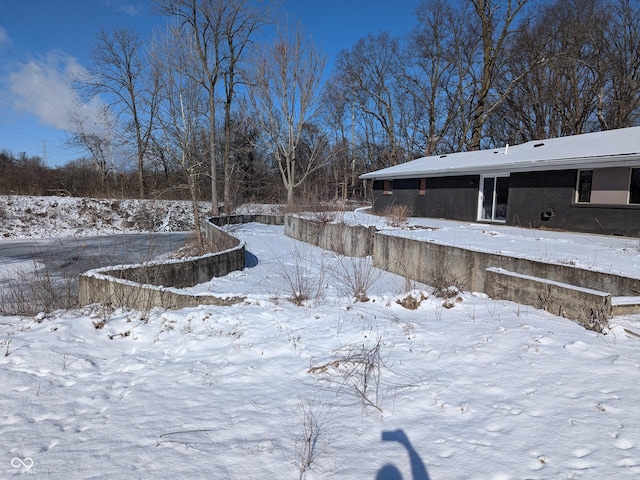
<point>481,389</point>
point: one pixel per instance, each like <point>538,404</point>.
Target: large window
<point>494,194</point>
<point>585,178</point>
<point>609,186</point>
<point>634,186</point>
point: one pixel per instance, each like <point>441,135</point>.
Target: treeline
<point>204,110</point>
<point>254,181</point>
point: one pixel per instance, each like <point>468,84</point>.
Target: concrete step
<point>625,305</point>
<point>563,299</point>
<point>632,332</point>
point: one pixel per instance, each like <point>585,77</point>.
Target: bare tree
<point>204,20</point>
<point>240,24</point>
<point>96,136</point>
<point>431,74</point>
<point>285,99</point>
<point>563,94</point>
<point>181,113</point>
<point>495,19</point>
<point>221,30</point>
<point>619,100</point>
<point>120,74</point>
<point>368,74</point>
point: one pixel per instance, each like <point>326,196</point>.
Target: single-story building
<point>584,183</point>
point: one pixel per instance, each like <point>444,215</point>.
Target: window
<point>585,178</point>
<point>423,186</point>
<point>387,188</point>
<point>494,195</point>
<point>634,186</point>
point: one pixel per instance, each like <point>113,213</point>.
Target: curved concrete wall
<point>151,285</point>
<point>560,289</point>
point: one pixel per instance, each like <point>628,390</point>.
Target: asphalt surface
<point>66,258</point>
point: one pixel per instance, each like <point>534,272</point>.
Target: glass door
<point>494,193</point>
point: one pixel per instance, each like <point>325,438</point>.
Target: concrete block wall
<point>565,300</point>
<point>424,261</point>
<point>157,284</point>
<point>350,240</point>
<point>575,293</point>
<point>560,289</point>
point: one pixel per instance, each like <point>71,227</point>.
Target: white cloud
<point>132,9</point>
<point>44,89</point>
<point>4,38</point>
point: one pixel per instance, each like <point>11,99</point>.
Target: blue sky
<point>43,42</point>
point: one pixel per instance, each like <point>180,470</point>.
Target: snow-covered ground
<point>477,389</point>
<point>37,217</point>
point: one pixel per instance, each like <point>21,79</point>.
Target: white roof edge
<point>610,148</point>
<point>560,164</point>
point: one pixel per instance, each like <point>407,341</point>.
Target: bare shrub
<point>356,370</point>
<point>38,290</point>
<point>597,320</point>
<point>357,275</point>
<point>598,325</point>
<point>299,277</point>
<point>397,215</point>
<point>445,283</point>
<point>192,249</point>
<point>412,300</point>
<point>149,220</point>
<point>307,442</point>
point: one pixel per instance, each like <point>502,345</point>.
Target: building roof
<point>611,148</point>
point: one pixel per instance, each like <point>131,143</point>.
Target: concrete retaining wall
<point>559,289</point>
<point>350,240</point>
<point>425,261</point>
<point>576,293</point>
<point>157,284</point>
<point>582,304</point>
<point>564,290</point>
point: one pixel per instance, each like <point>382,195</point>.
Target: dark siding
<point>455,198</point>
<point>534,195</point>
<point>536,200</point>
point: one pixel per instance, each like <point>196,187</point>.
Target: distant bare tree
<point>619,101</point>
<point>494,21</point>
<point>120,74</point>
<point>285,99</point>
<point>222,31</point>
<point>95,136</point>
<point>242,21</point>
<point>367,74</point>
<point>204,20</point>
<point>431,74</point>
<point>182,110</point>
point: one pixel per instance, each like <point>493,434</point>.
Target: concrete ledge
<point>157,284</point>
<point>563,299</point>
<point>425,260</point>
<point>350,240</point>
<point>576,293</point>
<point>625,305</point>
